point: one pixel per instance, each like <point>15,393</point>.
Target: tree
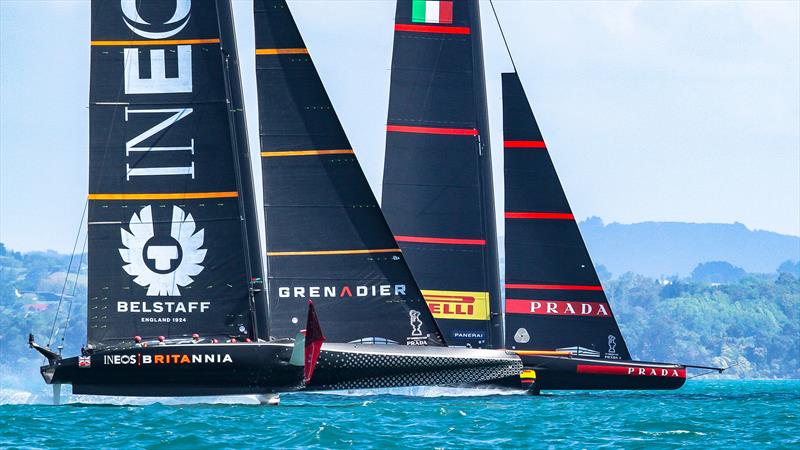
<point>721,272</point>
<point>790,267</point>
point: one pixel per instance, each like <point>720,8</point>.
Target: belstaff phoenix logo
<point>162,263</point>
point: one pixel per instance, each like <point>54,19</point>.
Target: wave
<point>44,397</point>
<point>22,397</point>
<point>426,391</point>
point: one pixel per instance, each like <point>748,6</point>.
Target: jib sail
<point>327,239</point>
<point>554,299</point>
<point>437,182</point>
<point>168,250</point>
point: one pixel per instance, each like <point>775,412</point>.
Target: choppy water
<point>727,414</point>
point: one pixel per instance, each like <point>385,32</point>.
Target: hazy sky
<point>684,111</point>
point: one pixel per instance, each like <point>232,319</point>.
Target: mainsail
<point>554,299</point>
<point>437,182</point>
<point>171,229</point>
<point>327,239</point>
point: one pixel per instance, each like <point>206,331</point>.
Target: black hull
<point>353,366</point>
<point>182,370</point>
<point>263,368</point>
<point>572,373</point>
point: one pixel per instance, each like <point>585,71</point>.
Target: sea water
<point>717,414</point>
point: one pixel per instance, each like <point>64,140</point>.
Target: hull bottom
<point>578,373</point>
<point>358,366</point>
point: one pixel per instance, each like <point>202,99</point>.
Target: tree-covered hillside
<point>754,322</point>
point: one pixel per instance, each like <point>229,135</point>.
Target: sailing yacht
<point>438,199</point>
<point>177,304</point>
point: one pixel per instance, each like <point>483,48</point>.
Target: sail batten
<point>554,299</point>
<point>327,239</point>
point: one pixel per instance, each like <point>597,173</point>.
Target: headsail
<point>167,246</point>
<point>327,239</point>
<point>437,182</point>
<point>554,299</point>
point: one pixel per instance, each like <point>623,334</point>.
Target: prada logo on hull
<point>633,371</point>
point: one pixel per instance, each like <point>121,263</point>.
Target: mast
<point>437,182</point>
<point>492,262</point>
<point>259,306</point>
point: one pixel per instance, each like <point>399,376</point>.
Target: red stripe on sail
<point>524,144</point>
<point>633,371</point>
<point>433,240</point>
<point>432,130</point>
<point>431,29</point>
<point>539,215</point>
<point>554,287</point>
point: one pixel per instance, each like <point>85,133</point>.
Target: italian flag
<point>432,11</point>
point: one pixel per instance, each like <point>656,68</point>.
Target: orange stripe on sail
<point>281,51</point>
<point>307,153</point>
<point>165,196</point>
<point>335,252</point>
<point>156,42</point>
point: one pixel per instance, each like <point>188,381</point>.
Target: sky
<point>665,111</point>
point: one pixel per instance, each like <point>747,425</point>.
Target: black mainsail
<point>557,316</point>
<point>554,299</point>
<point>437,182</point>
<point>170,203</point>
<point>327,239</point>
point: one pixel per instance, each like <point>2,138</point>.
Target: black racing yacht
<point>328,241</point>
<point>554,299</point>
<point>439,201</point>
<point>176,300</point>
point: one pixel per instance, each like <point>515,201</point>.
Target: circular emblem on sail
<point>522,336</point>
<point>162,263</point>
<point>140,26</point>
